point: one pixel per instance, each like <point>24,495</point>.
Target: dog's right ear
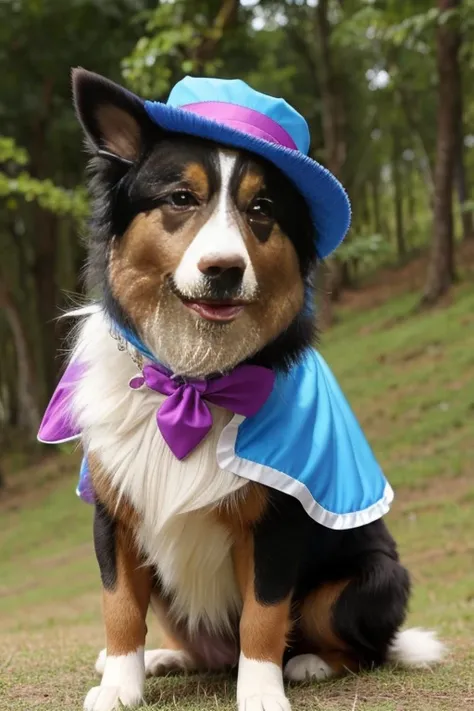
<point>112,117</point>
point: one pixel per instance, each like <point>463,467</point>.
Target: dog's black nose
<point>225,273</point>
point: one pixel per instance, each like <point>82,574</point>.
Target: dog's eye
<point>261,207</point>
<point>181,199</point>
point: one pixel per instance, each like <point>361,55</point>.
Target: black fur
<point>279,540</point>
<point>104,543</point>
<point>372,608</point>
<point>91,91</point>
<point>294,553</point>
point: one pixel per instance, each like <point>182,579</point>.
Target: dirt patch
<point>432,494</point>
<point>393,281</point>
<point>33,483</point>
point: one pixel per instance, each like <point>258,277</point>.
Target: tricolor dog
<point>234,491</point>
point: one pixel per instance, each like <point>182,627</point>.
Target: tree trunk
<point>425,163</point>
<point>46,293</point>
<point>461,182</point>
<point>338,278</point>
<point>332,114</point>
<point>411,202</point>
<point>28,415</point>
<point>441,267</point>
<point>398,198</point>
<point>206,49</point>
<point>375,184</point>
<point>333,120</point>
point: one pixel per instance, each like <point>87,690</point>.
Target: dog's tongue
<point>215,312</point>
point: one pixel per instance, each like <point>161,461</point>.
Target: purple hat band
<point>243,119</point>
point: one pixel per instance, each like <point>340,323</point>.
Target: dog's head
<point>205,252</point>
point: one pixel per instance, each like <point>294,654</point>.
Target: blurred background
<point>386,87</point>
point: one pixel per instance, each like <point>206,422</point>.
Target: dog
<point>202,258</point>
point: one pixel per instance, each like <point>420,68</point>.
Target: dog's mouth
<point>212,309</point>
<point>223,312</point>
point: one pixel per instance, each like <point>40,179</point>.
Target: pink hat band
<point>244,120</point>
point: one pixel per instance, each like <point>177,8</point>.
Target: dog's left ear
<point>113,119</point>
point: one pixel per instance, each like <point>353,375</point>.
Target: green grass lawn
<point>410,379</point>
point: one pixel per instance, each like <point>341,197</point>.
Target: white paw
<point>122,683</point>
<point>307,667</point>
<point>260,686</point>
<point>100,663</point>
<point>264,702</point>
<point>159,662</point>
<point>109,698</point>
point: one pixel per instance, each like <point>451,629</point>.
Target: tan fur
<point>121,131</point>
<point>243,509</point>
<point>317,626</point>
<point>316,614</point>
<point>119,508</point>
<point>125,606</point>
<point>263,628</point>
<point>196,178</point>
<point>141,263</point>
<point>250,185</point>
<point>281,290</point>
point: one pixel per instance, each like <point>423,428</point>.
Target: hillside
<point>410,379</point>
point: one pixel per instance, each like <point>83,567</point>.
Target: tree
<point>461,179</point>
<point>17,186</point>
<point>179,39</point>
<point>36,110</point>
<point>448,41</point>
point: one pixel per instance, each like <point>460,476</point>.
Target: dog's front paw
<point>122,683</point>
<point>264,702</point>
<point>260,686</point>
<point>109,698</point>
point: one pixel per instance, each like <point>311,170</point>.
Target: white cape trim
<point>58,441</point>
<point>262,474</point>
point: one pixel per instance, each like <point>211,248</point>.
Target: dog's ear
<point>113,119</point>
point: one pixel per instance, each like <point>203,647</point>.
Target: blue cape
<point>306,442</point>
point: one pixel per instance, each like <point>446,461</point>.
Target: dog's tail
<point>416,647</point>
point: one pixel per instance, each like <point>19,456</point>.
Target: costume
<point>293,432</point>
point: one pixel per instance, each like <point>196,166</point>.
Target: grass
<point>410,379</point>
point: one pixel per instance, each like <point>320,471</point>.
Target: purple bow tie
<point>184,418</point>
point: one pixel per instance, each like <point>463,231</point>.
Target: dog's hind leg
<point>186,651</point>
<point>172,657</point>
<point>351,624</point>
<point>127,587</point>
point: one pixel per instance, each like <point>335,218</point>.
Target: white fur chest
<point>186,544</point>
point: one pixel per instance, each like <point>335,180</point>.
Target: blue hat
<point>230,112</point>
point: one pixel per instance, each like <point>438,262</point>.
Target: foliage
<point>44,192</point>
<point>40,40</point>
<point>176,41</point>
<point>366,250</point>
<point>9,151</point>
<point>383,67</point>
